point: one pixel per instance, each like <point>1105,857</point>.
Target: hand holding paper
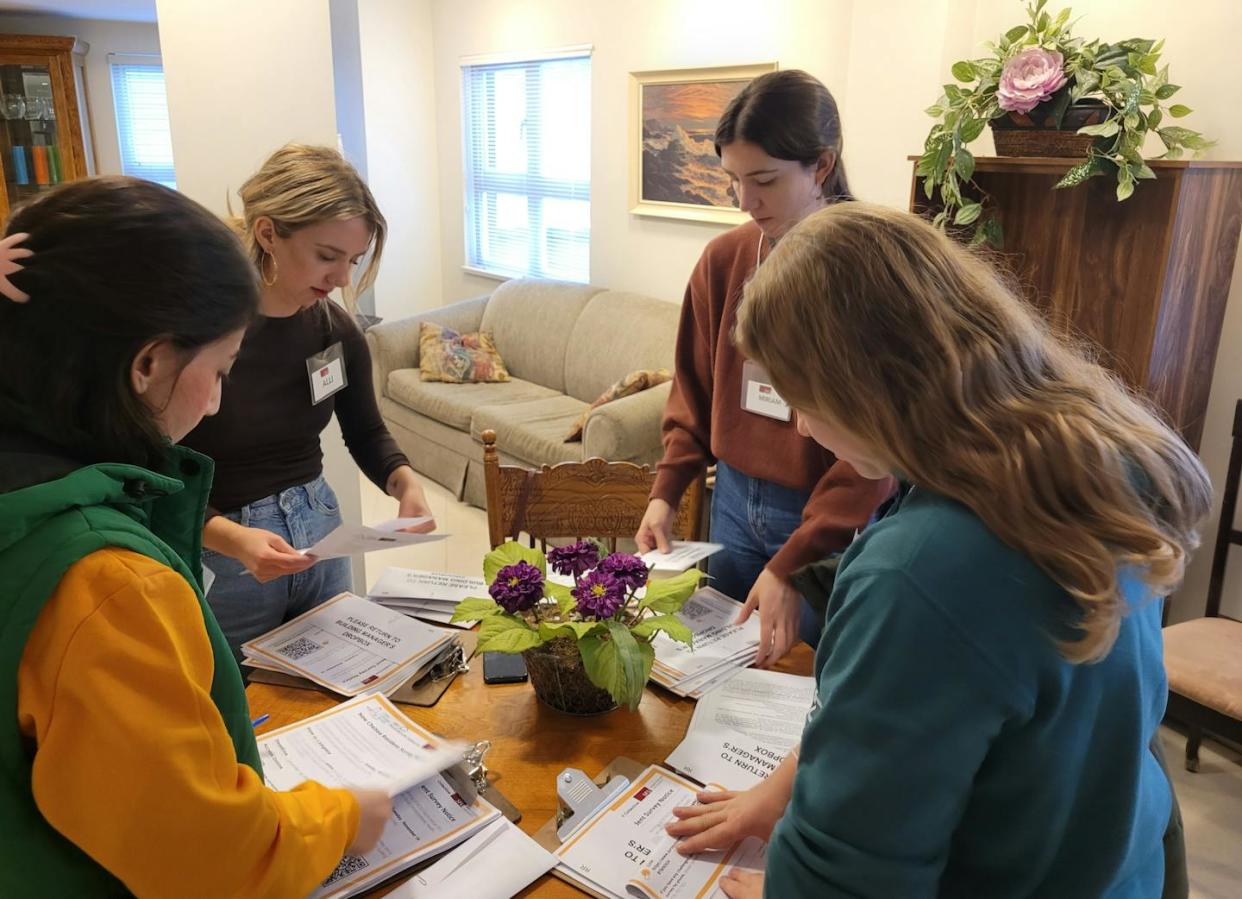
<point>349,540</point>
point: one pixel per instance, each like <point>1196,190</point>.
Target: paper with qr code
<point>350,645</point>
<point>351,540</point>
<point>369,743</point>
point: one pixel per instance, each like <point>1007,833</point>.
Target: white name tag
<point>327,373</point>
<point>759,396</point>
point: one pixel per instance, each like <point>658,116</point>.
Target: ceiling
<point>115,10</point>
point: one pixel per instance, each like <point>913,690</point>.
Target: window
<point>527,142</point>
<point>142,118</point>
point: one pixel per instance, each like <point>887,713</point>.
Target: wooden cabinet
<point>1146,279</point>
<point>44,138</point>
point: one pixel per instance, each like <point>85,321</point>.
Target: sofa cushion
<point>618,333</point>
<point>447,355</point>
<point>534,430</point>
<point>454,404</point>
<point>531,322</point>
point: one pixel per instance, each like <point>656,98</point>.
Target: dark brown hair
<point>791,115</point>
<point>118,262</point>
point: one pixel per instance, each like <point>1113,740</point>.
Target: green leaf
<point>670,624</point>
<point>953,92</point>
<point>996,234</point>
<point>574,630</point>
<point>964,163</point>
<point>1106,128</point>
<point>564,597</point>
<point>474,609</point>
<point>1042,23</point>
<point>670,593</point>
<point>1059,107</point>
<point>1080,173</point>
<point>1143,171</point>
<point>618,663</point>
<point>963,71</point>
<point>1154,118</point>
<point>1177,110</point>
<point>968,213</point>
<point>507,633</point>
<point>1016,33</point>
<point>511,553</point>
<point>1132,121</point>
<point>971,129</point>
<point>1125,188</point>
<point>935,111</point>
<point>1167,90</point>
<point>1173,136</point>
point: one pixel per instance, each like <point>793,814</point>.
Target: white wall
<point>244,78</point>
<point>647,255</point>
<point>395,38</point>
<point>104,38</point>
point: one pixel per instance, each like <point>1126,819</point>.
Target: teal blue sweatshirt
<point>952,751</point>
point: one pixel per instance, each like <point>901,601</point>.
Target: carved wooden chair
<point>595,498</point>
<point>1203,657</point>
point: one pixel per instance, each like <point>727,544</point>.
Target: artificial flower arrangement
<point>603,625</point>
<point>1041,76</point>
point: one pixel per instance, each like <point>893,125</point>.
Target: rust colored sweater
<point>704,420</point>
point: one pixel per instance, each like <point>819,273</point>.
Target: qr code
<point>350,864</point>
<point>299,648</point>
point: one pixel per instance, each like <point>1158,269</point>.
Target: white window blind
<point>142,120</point>
<point>527,143</point>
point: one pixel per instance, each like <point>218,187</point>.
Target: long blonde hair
<point>881,323</point>
<point>301,185</point>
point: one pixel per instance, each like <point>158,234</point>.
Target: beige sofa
<point>563,344</point>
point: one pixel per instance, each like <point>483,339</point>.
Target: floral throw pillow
<point>445,355</point>
<point>634,382</point>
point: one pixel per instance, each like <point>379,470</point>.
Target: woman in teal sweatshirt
<point>990,676</point>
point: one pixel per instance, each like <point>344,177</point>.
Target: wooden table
<point>531,743</point>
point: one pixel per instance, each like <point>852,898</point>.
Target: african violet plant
<point>612,612</point>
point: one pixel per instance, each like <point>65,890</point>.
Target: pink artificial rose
<point>1029,78</point>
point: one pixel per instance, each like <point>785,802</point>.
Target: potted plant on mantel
<point>587,647</point>
<point>1045,92</point>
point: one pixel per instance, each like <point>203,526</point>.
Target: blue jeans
<point>753,518</point>
<point>247,609</point>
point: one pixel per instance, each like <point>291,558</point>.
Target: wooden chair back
<point>595,498</point>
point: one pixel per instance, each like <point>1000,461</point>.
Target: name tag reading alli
<point>759,396</point>
<point>327,373</point>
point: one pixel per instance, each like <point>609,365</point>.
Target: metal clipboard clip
<point>450,666</point>
<point>469,776</point>
<point>580,798</point>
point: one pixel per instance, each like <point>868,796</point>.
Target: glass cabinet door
<point>30,139</point>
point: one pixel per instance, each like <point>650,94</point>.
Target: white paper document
<point>352,539</point>
<point>496,863</point>
<point>681,555</point>
<point>719,645</point>
<point>368,742</point>
<point>429,595</point>
<point>624,850</point>
<point>742,731</point>
<point>349,645</point>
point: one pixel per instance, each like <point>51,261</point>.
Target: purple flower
<point>576,559</point>
<point>630,570</point>
<point>600,595</point>
<point>517,587</point>
<point>1029,78</point>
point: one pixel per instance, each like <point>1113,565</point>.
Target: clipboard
<point>546,836</point>
<point>420,690</point>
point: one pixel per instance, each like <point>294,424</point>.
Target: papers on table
<point>743,730</point>
<point>367,742</point>
<point>496,863</point>
<point>681,556</point>
<point>720,647</point>
<point>426,594</point>
<point>349,540</point>
<point>624,850</point>
<point>349,645</point>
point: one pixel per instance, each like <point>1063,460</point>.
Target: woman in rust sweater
<point>781,501</point>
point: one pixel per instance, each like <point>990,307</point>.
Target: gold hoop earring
<point>263,269</point>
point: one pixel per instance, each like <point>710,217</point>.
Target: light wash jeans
<point>753,518</point>
<point>247,609</point>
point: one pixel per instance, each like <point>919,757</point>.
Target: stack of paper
<point>496,863</point>
<point>624,850</point>
<point>368,743</point>
<point>681,555</point>
<point>426,594</point>
<point>349,645</point>
<point>743,730</point>
<point>720,647</point>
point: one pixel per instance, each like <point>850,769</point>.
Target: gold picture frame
<point>674,172</point>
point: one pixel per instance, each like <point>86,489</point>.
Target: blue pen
<point>257,721</point>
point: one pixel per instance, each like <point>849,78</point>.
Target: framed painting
<point>674,170</point>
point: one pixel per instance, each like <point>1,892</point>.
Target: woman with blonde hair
<point>308,219</point>
<point>990,676</point>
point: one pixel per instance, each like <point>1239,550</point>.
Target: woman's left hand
<point>404,487</point>
<point>739,884</point>
<point>780,610</point>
